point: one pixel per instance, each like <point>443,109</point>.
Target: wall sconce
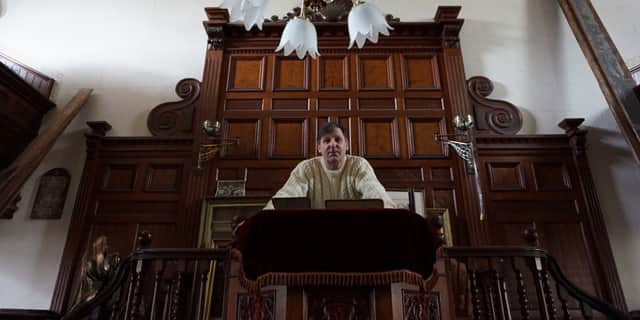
<point>463,148</point>
<point>208,151</point>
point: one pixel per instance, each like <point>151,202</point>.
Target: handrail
<point>579,294</point>
<point>541,259</point>
<point>118,281</point>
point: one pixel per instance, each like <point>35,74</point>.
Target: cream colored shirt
<point>354,180</point>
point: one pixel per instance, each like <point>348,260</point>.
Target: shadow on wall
<point>3,7</point>
<point>617,177</point>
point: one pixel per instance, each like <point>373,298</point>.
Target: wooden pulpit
<point>335,264</point>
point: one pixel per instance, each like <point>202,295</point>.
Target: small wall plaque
<point>51,194</point>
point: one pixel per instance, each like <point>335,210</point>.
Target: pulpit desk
<point>341,264</point>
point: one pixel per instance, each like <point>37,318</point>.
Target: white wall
<point>133,52</point>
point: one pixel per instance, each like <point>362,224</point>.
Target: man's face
<point>333,147</point>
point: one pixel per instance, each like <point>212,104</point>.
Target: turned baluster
<point>522,291</point>
<point>475,295</point>
<point>176,299</point>
<point>203,272</point>
<point>586,310</point>
<point>535,263</point>
<point>159,266</point>
<point>563,296</point>
<point>137,291</point>
<point>546,282</point>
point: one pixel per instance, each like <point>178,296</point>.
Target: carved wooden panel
<point>551,176</point>
<point>379,138</point>
<point>338,303</point>
<point>247,131</point>
<point>290,104</point>
<point>243,105</point>
<point>270,179</point>
<point>331,104</point>
<point>288,138</point>
<point>441,174</point>
<point>423,103</point>
<point>246,73</point>
<point>505,176</point>
<point>333,72</point>
<point>391,175</point>
<point>420,72</point>
<point>291,73</point>
<point>388,104</point>
<point>124,207</point>
<point>375,72</point>
<point>39,81</point>
<point>421,133</point>
<point>163,177</point>
<point>119,177</point>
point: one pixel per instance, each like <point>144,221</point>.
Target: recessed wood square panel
<point>379,138</point>
<point>551,176</point>
<point>441,174</point>
<point>247,131</point>
<point>163,178</point>
<point>375,72</point>
<point>387,175</point>
<point>422,143</point>
<point>420,72</point>
<point>526,211</point>
<point>290,73</point>
<point>121,237</point>
<point>243,105</point>
<point>290,104</point>
<point>333,73</point>
<point>288,138</point>
<point>246,73</point>
<point>505,176</point>
<point>423,104</point>
<point>119,177</point>
<point>329,104</point>
<point>377,104</point>
<point>445,198</point>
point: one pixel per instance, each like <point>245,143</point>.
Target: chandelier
<point>365,21</point>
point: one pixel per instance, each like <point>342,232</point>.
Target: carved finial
<point>531,235</point>
<point>570,125</point>
<point>99,128</point>
<point>577,136</point>
<point>176,118</point>
<point>143,241</point>
<point>447,13</point>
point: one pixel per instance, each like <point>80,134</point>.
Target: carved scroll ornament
<point>176,118</point>
<point>493,117</point>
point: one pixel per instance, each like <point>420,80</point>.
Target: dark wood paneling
<point>246,73</point>
<point>119,177</point>
<point>422,143</point>
<point>376,104</point>
<point>422,103</point>
<point>39,81</point>
<point>420,72</point>
<point>375,72</point>
<point>327,104</point>
<point>551,176</point>
<point>505,176</point>
<point>333,72</point>
<point>379,138</point>
<point>290,73</point>
<point>288,138</point>
<point>243,105</point>
<point>290,104</point>
<point>247,131</point>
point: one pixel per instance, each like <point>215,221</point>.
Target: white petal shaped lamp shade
<point>299,35</point>
<point>366,21</point>
<point>251,12</point>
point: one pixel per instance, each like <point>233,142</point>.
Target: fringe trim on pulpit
<point>334,279</point>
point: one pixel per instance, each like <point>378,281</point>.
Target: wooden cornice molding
<point>445,28</point>
<point>22,168</point>
<point>612,74</point>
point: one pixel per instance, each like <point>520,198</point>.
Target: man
<point>333,175</point>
